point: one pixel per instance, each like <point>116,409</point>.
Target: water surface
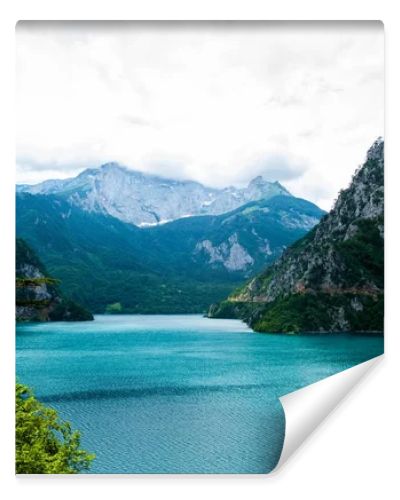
<point>177,394</point>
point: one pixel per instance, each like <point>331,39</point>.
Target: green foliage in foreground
<point>44,443</point>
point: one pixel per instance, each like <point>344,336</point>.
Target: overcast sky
<point>217,103</point>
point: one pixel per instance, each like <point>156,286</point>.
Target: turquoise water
<point>177,394</point>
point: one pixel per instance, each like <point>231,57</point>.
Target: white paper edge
<point>306,408</point>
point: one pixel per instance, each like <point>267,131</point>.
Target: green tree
<point>44,443</point>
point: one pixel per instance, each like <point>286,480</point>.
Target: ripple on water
<point>177,394</point>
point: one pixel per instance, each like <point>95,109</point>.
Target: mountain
<point>241,241</point>
<point>37,295</point>
<point>176,267</point>
<point>333,278</point>
<point>144,199</point>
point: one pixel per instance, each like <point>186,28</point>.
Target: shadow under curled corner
<point>306,408</point>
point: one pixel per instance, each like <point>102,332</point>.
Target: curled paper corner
<point>306,408</point>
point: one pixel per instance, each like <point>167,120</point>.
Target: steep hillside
<point>37,295</point>
<point>238,243</point>
<point>144,199</point>
<point>332,279</point>
<point>181,266</point>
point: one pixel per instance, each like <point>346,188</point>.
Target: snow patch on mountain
<point>146,200</point>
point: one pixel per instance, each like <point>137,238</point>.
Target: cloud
<point>137,121</point>
<point>273,167</point>
<point>290,100</point>
<point>213,102</point>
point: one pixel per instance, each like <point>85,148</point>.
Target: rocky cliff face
<point>231,254</point>
<point>146,200</point>
<point>37,296</point>
<point>332,279</point>
<point>254,235</point>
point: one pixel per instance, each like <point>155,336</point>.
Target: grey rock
<point>146,200</point>
<point>317,266</point>
<point>230,253</point>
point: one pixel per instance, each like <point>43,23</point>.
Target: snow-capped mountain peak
<point>145,199</point>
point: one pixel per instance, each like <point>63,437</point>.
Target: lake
<point>177,394</point>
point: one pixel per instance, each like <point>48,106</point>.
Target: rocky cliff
<point>37,295</point>
<point>331,279</point>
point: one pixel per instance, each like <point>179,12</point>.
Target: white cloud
<point>218,103</point>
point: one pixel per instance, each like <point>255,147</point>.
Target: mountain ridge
<point>180,266</point>
<point>147,199</point>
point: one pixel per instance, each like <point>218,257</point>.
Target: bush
<point>44,443</point>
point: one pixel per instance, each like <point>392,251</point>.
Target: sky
<point>219,103</point>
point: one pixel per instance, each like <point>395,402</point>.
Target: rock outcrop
<point>230,253</point>
<point>37,295</point>
<point>332,279</point>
